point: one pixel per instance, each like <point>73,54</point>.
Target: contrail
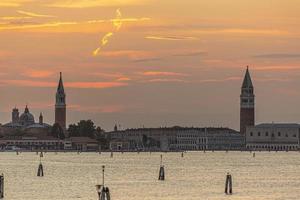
<point>117,23</point>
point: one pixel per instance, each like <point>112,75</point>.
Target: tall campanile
<point>247,112</point>
<point>60,104</point>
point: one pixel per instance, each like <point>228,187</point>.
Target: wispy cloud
<point>94,3</point>
<point>32,14</point>
<point>191,53</point>
<point>276,68</point>
<point>76,26</point>
<point>81,85</point>
<point>162,73</point>
<point>171,38</point>
<point>125,78</point>
<point>165,80</point>
<point>97,109</point>
<point>13,3</point>
<point>95,85</point>
<point>243,31</point>
<point>38,73</point>
<point>278,56</point>
<point>233,78</point>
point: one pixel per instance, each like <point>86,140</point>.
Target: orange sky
<point>169,63</point>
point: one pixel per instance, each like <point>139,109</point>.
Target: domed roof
<point>26,118</point>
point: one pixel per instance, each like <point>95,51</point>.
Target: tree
<point>84,128</point>
<point>57,131</point>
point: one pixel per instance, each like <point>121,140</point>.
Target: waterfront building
<point>175,139</point>
<point>273,136</point>
<point>209,139</point>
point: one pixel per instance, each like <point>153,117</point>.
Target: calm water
<point>132,176</point>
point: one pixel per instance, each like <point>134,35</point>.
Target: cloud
<point>38,73</point>
<point>95,85</point>
<point>191,53</point>
<point>43,84</point>
<point>276,68</point>
<point>124,79</point>
<point>147,59</point>
<point>131,54</point>
<point>171,38</point>
<point>165,80</point>
<point>65,26</point>
<point>278,56</point>
<point>95,3</point>
<point>97,109</point>
<point>233,78</point>
<point>13,3</point>
<point>160,73</point>
<point>31,14</point>
<point>15,18</point>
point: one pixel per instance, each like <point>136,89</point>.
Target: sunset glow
<point>150,62</point>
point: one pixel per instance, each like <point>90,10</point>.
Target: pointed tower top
<point>60,87</point>
<point>26,109</point>
<point>247,83</point>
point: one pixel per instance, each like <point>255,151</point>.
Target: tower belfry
<point>60,104</point>
<point>247,103</point>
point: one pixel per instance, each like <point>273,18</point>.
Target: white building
<point>273,136</point>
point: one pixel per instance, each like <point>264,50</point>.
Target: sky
<point>150,63</point>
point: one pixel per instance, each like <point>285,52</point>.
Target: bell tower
<point>247,103</point>
<point>60,104</point>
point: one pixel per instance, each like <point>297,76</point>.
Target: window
<point>251,134</point>
<point>267,134</point>
<point>286,135</point>
<point>279,134</point>
<point>294,135</point>
<point>258,134</point>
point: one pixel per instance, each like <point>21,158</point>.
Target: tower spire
<point>247,83</point>
<point>60,87</point>
<point>60,104</point>
<point>247,103</point>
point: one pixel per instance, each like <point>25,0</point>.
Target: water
<point>132,176</point>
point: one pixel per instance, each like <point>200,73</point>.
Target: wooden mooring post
<point>1,186</point>
<point>161,176</point>
<point>228,184</point>
<point>40,168</point>
<point>103,192</point>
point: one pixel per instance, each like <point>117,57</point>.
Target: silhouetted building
<point>247,104</point>
<point>60,105</point>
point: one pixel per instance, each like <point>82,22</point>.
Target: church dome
<point>26,118</point>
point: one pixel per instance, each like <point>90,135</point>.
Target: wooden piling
<point>161,175</point>
<point>103,192</point>
<point>1,186</point>
<point>228,184</point>
<point>40,170</point>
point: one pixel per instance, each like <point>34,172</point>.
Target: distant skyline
<point>166,62</point>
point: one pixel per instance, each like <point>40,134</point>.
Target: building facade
<point>247,103</point>
<point>273,136</point>
<point>176,139</point>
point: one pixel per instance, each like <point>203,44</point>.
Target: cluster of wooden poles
<point>102,190</point>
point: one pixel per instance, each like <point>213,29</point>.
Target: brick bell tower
<point>247,112</point>
<point>60,104</point>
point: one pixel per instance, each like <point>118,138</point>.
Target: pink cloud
<point>84,85</point>
<point>97,109</point>
<point>160,73</point>
<point>38,73</point>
